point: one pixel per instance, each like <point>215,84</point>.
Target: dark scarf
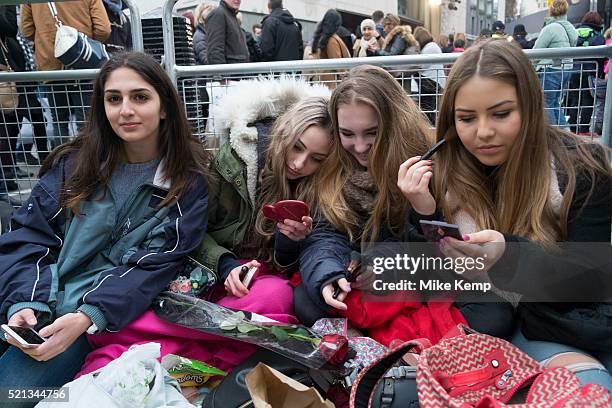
<point>360,192</point>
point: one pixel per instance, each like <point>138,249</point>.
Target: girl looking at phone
<point>376,125</point>
<point>286,162</point>
<point>105,229</point>
<point>520,190</point>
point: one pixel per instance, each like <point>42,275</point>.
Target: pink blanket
<point>270,295</point>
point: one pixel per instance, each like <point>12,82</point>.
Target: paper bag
<point>272,389</point>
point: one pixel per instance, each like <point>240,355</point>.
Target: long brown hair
<point>521,202</point>
<point>274,184</point>
<point>98,149</point>
<point>403,132</point>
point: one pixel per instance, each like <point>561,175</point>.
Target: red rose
<point>334,348</point>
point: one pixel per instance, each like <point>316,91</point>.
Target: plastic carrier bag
<point>135,379</point>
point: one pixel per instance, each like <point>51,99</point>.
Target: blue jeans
<point>555,83</point>
<point>543,350</point>
<point>18,370</point>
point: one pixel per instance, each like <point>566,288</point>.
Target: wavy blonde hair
<point>521,203</point>
<point>274,184</point>
<point>403,132</point>
<point>202,11</point>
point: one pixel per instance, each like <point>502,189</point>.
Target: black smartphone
<point>436,230</point>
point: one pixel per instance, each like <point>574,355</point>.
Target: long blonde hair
<point>274,184</point>
<point>403,132</point>
<point>521,202</point>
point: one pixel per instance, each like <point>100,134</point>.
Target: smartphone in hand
<point>25,336</point>
<point>436,230</point>
<point>286,209</point>
<point>247,275</point>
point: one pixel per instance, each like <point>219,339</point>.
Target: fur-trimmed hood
<point>405,33</point>
<point>247,102</point>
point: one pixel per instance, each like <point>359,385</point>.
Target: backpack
<point>586,36</point>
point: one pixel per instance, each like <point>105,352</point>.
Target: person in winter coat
<point>432,77</point>
<point>398,41</point>
<point>12,57</point>
<point>114,215</point>
<point>357,191</point>
<point>554,74</point>
<point>120,38</point>
<point>326,44</point>
<point>200,45</point>
<point>281,35</point>
<point>519,35</point>
<point>225,38</point>
<point>579,99</point>
<point>598,89</point>
<point>37,24</point>
<point>251,42</point>
<point>368,28</point>
<point>531,199</point>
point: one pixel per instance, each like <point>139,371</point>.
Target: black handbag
<point>384,385</point>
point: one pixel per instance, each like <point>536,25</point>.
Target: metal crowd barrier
<point>586,104</point>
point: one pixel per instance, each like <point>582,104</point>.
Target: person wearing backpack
<point>580,99</point>
<point>555,73</point>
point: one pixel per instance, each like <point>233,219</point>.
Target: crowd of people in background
<point>279,38</point>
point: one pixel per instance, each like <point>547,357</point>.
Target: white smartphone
<point>24,335</point>
<point>247,275</point>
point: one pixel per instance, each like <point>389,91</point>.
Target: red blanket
<point>386,321</point>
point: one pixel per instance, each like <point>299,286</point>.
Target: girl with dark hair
<point>520,191</point>
<point>107,226</point>
<point>326,44</point>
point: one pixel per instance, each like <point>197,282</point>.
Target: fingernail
<point>466,237</point>
<point>347,288</point>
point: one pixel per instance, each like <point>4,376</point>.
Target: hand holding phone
<point>235,281</point>
<point>286,209</point>
<point>436,230</point>
<point>25,336</point>
<point>247,275</point>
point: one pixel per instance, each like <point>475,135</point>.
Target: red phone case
<point>286,209</point>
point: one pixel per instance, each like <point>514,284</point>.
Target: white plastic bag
<point>135,379</point>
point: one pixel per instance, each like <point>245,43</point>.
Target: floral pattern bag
<point>194,280</point>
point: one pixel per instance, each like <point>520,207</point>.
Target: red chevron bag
<point>482,371</point>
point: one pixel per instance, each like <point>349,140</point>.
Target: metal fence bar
<point>169,58</point>
<point>136,25</point>
<point>347,63</point>
<point>606,138</point>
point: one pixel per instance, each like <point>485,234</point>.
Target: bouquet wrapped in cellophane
<point>296,342</point>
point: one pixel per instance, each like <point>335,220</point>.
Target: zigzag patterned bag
<point>482,371</point>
